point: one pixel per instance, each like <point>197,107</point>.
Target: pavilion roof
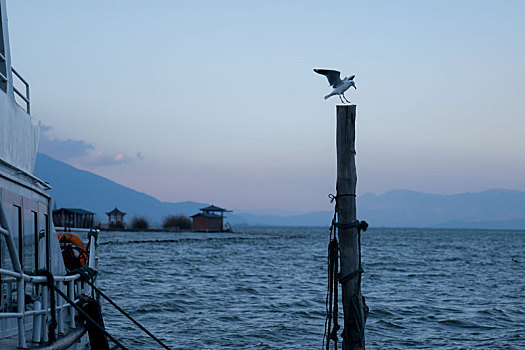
<point>214,208</point>
<point>73,210</point>
<point>115,212</point>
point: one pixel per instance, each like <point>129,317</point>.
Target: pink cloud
<point>80,153</point>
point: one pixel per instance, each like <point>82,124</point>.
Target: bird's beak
<point>355,87</point>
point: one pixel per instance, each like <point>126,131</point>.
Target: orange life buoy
<point>74,250</point>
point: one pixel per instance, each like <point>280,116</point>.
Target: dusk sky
<point>216,101</point>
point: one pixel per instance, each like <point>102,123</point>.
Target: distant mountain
<point>495,208</point>
<point>518,224</point>
<point>320,218</point>
<point>492,209</point>
<point>74,188</point>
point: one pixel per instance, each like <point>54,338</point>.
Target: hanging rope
<point>335,278</point>
<point>332,305</point>
<point>88,275</point>
<point>88,318</point>
<point>50,284</point>
<point>127,315</point>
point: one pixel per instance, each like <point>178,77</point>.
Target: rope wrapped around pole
<point>50,284</point>
<point>88,318</point>
<point>127,315</point>
<point>88,275</point>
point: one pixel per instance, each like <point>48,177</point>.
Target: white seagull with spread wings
<point>334,79</point>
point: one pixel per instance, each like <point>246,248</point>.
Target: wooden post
<point>348,237</point>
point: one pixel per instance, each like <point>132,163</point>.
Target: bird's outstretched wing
<point>333,76</point>
<point>351,77</point>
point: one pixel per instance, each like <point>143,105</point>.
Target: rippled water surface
<point>264,288</point>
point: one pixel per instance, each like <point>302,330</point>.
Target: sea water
<point>265,288</point>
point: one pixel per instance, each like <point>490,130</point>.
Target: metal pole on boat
<point>71,295</point>
<point>348,234</point>
<point>60,313</point>
<point>37,322</point>
<point>45,306</point>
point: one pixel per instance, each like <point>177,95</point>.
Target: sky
<point>217,102</point>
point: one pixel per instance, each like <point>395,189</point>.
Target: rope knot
<point>351,275</point>
<point>335,197</point>
<point>363,225</point>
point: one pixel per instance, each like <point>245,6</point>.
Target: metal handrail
<point>19,76</point>
<point>20,94</point>
<point>72,229</point>
<point>38,279</point>
<point>25,97</point>
<point>21,277</point>
<point>4,315</point>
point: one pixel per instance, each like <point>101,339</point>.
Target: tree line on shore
<point>170,223</point>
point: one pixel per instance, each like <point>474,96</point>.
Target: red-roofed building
<point>210,219</point>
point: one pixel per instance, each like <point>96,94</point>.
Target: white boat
<point>33,275</point>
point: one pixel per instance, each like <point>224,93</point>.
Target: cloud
<point>79,152</point>
<point>64,149</point>
<point>95,159</point>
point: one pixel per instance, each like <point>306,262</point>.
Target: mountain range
<point>492,209</point>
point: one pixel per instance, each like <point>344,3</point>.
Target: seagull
<point>334,79</point>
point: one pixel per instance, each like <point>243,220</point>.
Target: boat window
<point>29,251</point>
<point>41,243</point>
<point>5,260</point>
<point>16,230</point>
<point>46,237</point>
<point>14,217</point>
<point>35,227</point>
<point>8,285</point>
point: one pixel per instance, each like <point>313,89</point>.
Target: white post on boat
<point>20,305</point>
<point>92,261</point>
<point>78,287</point>
<point>348,236</point>
<point>71,296</point>
<point>93,237</point>
<point>45,306</point>
<point>60,313</point>
<point>37,322</point>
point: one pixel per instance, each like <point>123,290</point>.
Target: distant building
<point>210,219</point>
<point>115,218</point>
<point>73,217</point>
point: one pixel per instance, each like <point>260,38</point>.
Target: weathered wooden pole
<point>350,277</point>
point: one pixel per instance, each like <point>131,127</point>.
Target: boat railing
<point>2,76</point>
<point>71,285</point>
<point>23,95</point>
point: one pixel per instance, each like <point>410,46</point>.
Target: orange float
<point>74,250</point>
